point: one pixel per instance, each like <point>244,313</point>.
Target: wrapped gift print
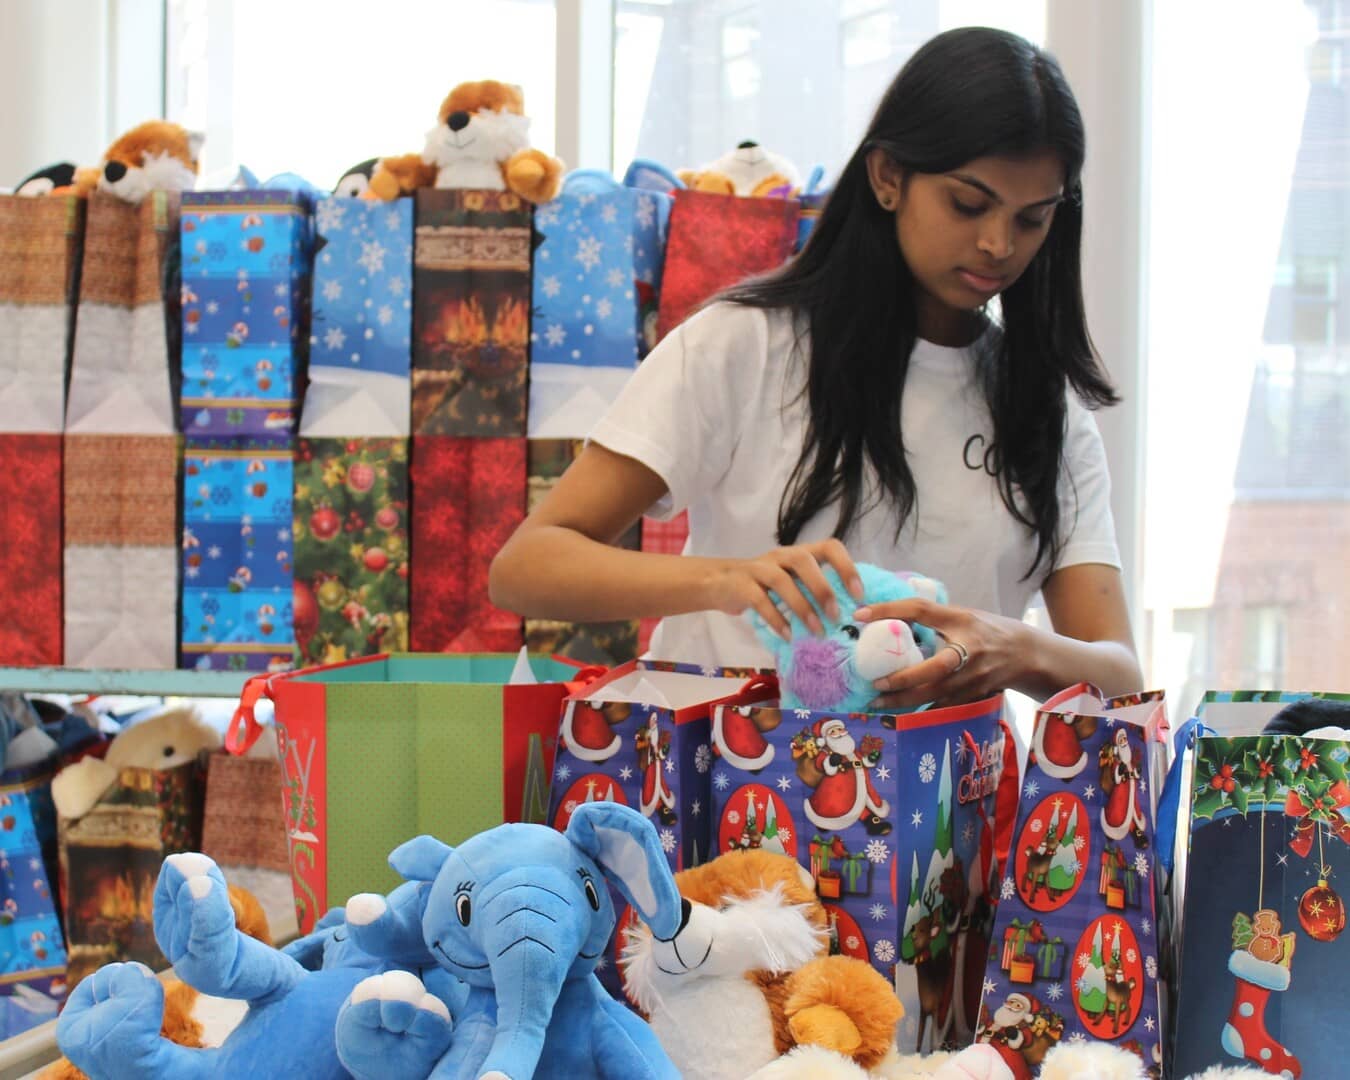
<point>1265,953</point>
<point>237,555</point>
<point>351,548</point>
<point>361,326</point>
<point>895,827</point>
<point>245,273</point>
<point>471,313</point>
<point>1076,944</point>
<point>611,643</point>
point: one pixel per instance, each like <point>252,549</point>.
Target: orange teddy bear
<point>481,140</point>
<point>180,1024</point>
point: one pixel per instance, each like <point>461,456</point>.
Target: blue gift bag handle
<point>813,181</point>
<point>1169,802</point>
<point>651,175</point>
<point>588,182</point>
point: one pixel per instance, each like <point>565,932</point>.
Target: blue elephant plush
<point>835,673</point>
<point>521,913</point>
<point>111,1026</point>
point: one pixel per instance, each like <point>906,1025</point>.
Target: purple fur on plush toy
<point>819,673</point>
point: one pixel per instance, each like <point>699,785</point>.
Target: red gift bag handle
<point>584,677</point>
<point>244,728</point>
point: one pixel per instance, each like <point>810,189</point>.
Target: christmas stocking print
<point>1245,1035</point>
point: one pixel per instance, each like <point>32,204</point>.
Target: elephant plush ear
<point>420,859</point>
<point>626,847</point>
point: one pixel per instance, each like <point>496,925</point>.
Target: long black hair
<point>965,94</point>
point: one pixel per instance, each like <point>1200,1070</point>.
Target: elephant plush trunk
<point>534,946</point>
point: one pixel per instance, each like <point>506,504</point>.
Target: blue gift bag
<point>245,267</point>
<point>597,274</point>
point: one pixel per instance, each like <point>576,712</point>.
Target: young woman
<point>860,404</point>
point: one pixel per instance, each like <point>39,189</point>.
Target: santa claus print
<point>845,793</point>
<point>1057,743</point>
<point>1123,813</point>
<point>588,728</point>
<point>653,748</point>
<point>1023,1031</point>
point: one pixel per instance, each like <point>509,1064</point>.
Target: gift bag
<point>717,241</point>
<point>640,736</point>
<point>110,860</point>
<point>468,498</point>
<point>597,273</point>
<point>361,336</point>
<point>350,548</point>
<point>471,313</point>
<point>1264,950</point>
<point>121,451</point>
<point>237,555</point>
<point>32,947</point>
<point>378,750</point>
<point>245,273</point>
<point>1075,943</point>
<point>39,274</point>
<point>893,818</point>
<point>244,823</point>
<point>610,643</point>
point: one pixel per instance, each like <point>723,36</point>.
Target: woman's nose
<point>996,239</point>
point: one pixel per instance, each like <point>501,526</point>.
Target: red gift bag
<point>30,515</point>
<point>716,241</point>
<point>468,497</point>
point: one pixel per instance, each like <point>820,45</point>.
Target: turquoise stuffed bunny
<point>834,673</point>
<point>521,913</point>
<point>110,1026</point>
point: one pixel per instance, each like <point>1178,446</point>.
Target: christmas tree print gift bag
<point>1076,937</point>
<point>361,327</point>
<point>471,313</point>
<point>893,817</point>
<point>121,444</point>
<point>640,736</point>
<point>597,273</point>
<point>245,276</point>
<point>376,750</point>
<point>351,551</point>
<point>1264,954</point>
<point>611,643</point>
<point>468,497</point>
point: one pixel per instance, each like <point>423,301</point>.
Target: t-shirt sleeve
<point>677,414</point>
<point>1087,528</point>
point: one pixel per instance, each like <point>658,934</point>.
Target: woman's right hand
<point>792,574</point>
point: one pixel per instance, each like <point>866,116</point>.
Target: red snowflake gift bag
<point>1075,951</point>
<point>468,497</point>
<point>640,736</point>
<point>39,268</point>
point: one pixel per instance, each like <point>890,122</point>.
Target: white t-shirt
<point>716,411</point>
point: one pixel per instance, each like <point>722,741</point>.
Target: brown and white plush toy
<point>481,140</point>
<point>747,978</point>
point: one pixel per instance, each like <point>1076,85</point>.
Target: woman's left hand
<point>996,655</point>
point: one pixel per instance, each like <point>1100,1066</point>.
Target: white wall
<point>68,85</point>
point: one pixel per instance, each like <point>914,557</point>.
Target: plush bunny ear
<point>625,846</point>
<point>420,859</point>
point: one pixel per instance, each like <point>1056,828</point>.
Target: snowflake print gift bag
<point>597,273</point>
<point>894,819</point>
<point>1265,953</point>
<point>360,346</point>
<point>1074,954</point>
<point>640,736</point>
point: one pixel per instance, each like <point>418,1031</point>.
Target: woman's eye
<point>1033,222</point>
<point>966,209</point>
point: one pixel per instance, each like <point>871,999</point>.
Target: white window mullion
<point>585,81</point>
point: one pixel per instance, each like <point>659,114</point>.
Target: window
<point>1247,492</point>
<point>315,87</point>
<point>693,78</point>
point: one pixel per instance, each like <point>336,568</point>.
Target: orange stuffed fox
<point>154,156</point>
<point>481,140</point>
<point>747,978</point>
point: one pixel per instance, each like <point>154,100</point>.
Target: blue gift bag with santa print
<point>597,272</point>
<point>245,298</point>
<point>640,736</point>
<point>1075,953</point>
<point>895,819</point>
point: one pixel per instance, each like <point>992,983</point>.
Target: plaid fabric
<point>660,538</point>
